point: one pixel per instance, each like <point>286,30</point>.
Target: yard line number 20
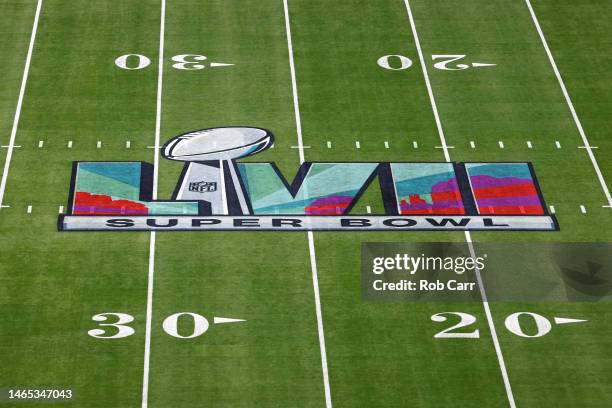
<point>512,323</point>
<point>444,62</point>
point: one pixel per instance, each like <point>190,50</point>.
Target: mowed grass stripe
<point>273,358</point>
<point>52,282</point>
<point>585,142</point>
<point>468,235</point>
<point>24,82</point>
<point>577,375</point>
<point>16,28</point>
<point>576,40</point>
<point>152,235</point>
<point>519,98</point>
<point>344,93</point>
<point>311,240</point>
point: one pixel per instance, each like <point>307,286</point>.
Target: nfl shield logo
<point>203,186</point>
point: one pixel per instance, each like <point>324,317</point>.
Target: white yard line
<point>468,237</point>
<point>24,82</point>
<point>296,105</point>
<point>585,141</point>
<point>158,112</point>
<point>432,100</point>
<point>311,245</point>
<point>149,317</point>
<point>487,309</point>
<point>147,352</point>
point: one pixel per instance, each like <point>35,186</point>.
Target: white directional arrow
<point>482,64</point>
<point>220,64</point>
<point>219,320</point>
<point>565,320</point>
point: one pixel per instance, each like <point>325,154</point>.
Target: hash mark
<point>501,144</point>
<point>328,144</point>
<point>529,145</point>
<point>583,209</point>
<point>357,145</point>
<point>558,144</point>
<point>472,144</point>
<point>40,143</point>
<point>386,144</point>
<point>29,209</point>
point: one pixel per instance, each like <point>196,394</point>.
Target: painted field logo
<point>216,192</point>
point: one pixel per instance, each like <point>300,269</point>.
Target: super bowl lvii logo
<point>215,191</point>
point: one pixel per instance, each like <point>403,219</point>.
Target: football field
<point>279,319</point>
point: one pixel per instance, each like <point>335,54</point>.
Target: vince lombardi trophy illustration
<point>210,174</point>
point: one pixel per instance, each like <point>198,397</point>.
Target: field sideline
<point>288,325</point>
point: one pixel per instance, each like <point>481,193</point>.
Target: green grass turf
<point>53,283</point>
<point>379,354</point>
<point>15,27</point>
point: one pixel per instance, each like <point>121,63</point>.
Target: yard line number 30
<point>186,62</point>
<point>120,328</point>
